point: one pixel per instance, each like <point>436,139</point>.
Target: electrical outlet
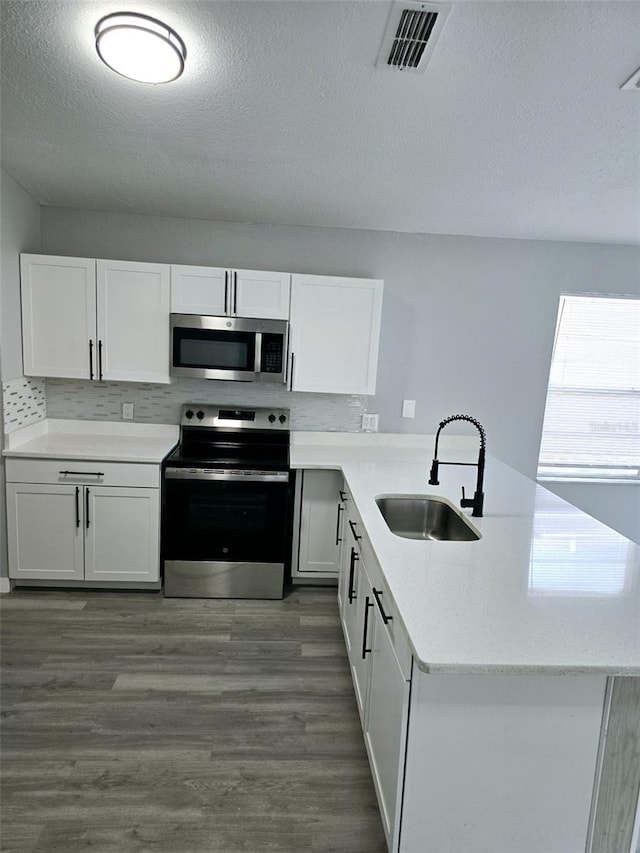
<point>127,411</point>
<point>408,408</point>
<point>370,423</point>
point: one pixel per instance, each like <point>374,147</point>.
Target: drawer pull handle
<point>365,650</point>
<point>352,525</point>
<point>352,568</point>
<point>82,473</point>
<point>377,593</point>
<point>343,496</point>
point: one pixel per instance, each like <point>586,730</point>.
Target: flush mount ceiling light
<point>140,48</point>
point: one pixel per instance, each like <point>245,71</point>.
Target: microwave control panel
<point>271,356</point>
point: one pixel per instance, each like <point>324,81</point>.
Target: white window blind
<point>592,416</point>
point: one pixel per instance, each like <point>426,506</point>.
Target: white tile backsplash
<point>162,403</point>
<point>24,402</point>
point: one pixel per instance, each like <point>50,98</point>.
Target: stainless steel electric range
<point>226,515</point>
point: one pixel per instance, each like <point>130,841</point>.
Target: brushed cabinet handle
<point>352,525</point>
<point>377,593</point>
<point>352,568</point>
<point>338,537</point>
<point>365,650</point>
<point>293,355</point>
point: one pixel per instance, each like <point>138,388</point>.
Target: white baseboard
<point>5,585</point>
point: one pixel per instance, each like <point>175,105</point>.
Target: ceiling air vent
<point>411,34</point>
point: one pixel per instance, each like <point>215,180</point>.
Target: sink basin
<point>424,517</point>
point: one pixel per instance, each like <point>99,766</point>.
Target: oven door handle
<point>208,474</point>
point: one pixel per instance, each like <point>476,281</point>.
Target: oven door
<point>225,535</point>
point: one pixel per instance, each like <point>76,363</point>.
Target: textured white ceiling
<point>518,128</point>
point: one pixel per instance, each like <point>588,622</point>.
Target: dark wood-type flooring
<point>139,724</point>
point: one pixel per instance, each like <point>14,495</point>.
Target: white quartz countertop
<point>547,589</point>
<point>110,441</point>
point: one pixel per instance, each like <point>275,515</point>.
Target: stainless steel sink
<point>425,517</point>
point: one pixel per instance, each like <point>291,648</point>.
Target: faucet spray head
<point>433,478</point>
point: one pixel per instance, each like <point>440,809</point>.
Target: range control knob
<point>200,414</point>
<point>282,418</point>
<point>188,414</point>
<point>272,418</point>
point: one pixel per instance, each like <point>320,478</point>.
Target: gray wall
<point>468,323</point>
<point>19,232</point>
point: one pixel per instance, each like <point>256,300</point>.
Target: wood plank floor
<point>135,723</point>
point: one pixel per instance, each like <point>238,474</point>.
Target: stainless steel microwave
<point>232,348</point>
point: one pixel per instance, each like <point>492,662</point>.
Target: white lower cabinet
<point>121,541</point>
<point>45,542</point>
<point>318,526</point>
<point>74,527</point>
<point>465,762</point>
<point>386,723</point>
<point>380,661</point>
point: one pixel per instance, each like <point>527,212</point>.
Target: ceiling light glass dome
<point>140,48</point>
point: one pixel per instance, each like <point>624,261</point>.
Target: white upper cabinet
<point>133,321</point>
<point>199,290</point>
<point>264,295</point>
<point>83,319</point>
<point>335,332</point>
<point>235,293</point>
<point>58,316</point>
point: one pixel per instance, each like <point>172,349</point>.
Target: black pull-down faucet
<point>477,501</point>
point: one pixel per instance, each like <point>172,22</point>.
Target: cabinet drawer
<point>83,472</point>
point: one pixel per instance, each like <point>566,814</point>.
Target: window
<point>592,417</point>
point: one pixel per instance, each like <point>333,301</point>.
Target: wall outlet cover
<point>408,408</point>
<point>127,411</point>
<point>370,423</point>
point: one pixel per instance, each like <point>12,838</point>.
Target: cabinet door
<point>133,321</point>
<point>350,572</point>
<point>335,330</point>
<point>343,548</point>
<point>320,523</point>
<point>45,532</point>
<point>199,290</point>
<point>122,534</point>
<point>386,724</point>
<point>264,295</point>
<point>360,654</point>
<point>58,315</point>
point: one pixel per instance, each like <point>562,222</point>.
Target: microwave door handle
<point>226,291</point>
<point>235,294</point>
<point>257,365</point>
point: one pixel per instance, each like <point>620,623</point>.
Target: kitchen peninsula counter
<point>547,589</point>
